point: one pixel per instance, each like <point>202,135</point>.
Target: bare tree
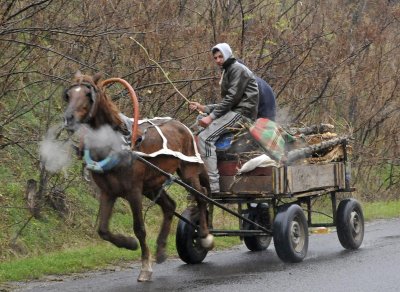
<point>326,65</point>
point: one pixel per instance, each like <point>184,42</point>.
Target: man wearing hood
<point>239,94</point>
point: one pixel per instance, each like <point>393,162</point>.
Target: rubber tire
<point>350,224</point>
<point>256,243</point>
<point>189,249</point>
<point>290,218</point>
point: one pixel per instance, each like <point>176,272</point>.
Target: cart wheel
<point>187,240</point>
<point>350,223</point>
<point>291,234</point>
<point>260,216</point>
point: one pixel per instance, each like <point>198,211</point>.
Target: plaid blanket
<point>271,137</point>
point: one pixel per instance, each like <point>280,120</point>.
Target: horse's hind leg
<point>205,183</point>
<point>135,202</point>
<point>198,180</point>
<point>204,179</point>
<point>106,206</point>
<point>168,207</point>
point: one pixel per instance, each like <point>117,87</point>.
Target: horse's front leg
<point>106,206</point>
<point>135,202</point>
<point>168,207</point>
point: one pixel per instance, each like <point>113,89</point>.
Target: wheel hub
<point>355,223</point>
<point>297,236</point>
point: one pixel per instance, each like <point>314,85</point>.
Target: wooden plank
<point>301,178</point>
<point>230,168</point>
<point>297,179</point>
<point>246,184</point>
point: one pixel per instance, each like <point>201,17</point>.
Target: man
<point>267,102</point>
<point>239,94</point>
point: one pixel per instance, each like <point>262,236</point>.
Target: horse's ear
<point>97,77</point>
<point>78,74</point>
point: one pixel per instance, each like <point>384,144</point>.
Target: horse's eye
<point>66,96</point>
<point>90,95</point>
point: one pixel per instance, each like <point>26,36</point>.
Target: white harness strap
<point>166,151</point>
<point>194,143</point>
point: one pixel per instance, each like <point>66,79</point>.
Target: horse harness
<point>123,156</point>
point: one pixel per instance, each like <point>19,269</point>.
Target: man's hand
<point>194,105</point>
<point>205,122</point>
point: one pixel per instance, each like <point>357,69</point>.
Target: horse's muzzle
<point>70,123</point>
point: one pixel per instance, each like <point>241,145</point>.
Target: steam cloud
<point>54,154</point>
<point>105,140</point>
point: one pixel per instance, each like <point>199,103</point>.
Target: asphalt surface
<point>327,267</point>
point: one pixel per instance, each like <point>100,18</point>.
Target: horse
<point>130,179</point>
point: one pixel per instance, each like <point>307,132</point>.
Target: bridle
<point>93,98</point>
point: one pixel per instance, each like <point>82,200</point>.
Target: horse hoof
<point>207,242</point>
<point>132,244</point>
<point>144,276</point>
<point>161,258</point>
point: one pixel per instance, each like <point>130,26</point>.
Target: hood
<point>225,49</point>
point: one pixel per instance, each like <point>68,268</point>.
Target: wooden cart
<point>277,202</point>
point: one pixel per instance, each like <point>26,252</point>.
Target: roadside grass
<point>371,211</point>
<point>98,256</point>
<point>53,246</point>
<point>66,261</point>
<point>93,254</point>
<point>381,210</point>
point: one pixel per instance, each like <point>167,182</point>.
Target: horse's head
<point>81,97</point>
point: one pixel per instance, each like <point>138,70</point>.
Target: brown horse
<point>130,178</point>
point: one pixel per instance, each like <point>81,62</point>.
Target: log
<point>312,149</point>
<point>314,129</point>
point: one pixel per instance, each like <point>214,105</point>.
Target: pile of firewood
<point>316,144</point>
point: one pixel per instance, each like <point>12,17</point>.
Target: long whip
<point>159,66</point>
<point>162,70</point>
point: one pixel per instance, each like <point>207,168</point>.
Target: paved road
<point>327,267</point>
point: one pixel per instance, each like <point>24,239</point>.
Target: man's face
<point>218,58</point>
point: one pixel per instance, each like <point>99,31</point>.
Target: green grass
<point>73,260</point>
<point>371,211</point>
<point>53,245</point>
<point>381,210</point>
<point>67,261</point>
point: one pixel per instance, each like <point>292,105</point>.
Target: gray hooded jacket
<point>239,89</point>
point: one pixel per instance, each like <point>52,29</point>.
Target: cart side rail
<point>294,179</point>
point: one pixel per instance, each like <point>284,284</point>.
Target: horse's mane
<point>102,99</point>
